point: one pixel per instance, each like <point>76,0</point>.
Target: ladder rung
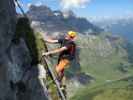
<point>55,80</point>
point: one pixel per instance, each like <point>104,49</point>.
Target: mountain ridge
<point>119,26</point>
<point>55,21</point>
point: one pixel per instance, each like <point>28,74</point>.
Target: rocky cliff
<point>16,58</point>
<point>7,28</point>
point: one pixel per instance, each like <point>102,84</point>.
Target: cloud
<point>39,3</point>
<point>69,4</point>
<point>36,3</point>
<point>29,5</point>
<point>65,4</point>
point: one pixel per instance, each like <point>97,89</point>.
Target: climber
<point>66,53</point>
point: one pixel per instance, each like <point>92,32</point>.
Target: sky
<point>87,8</point>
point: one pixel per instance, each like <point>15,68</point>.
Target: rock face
<point>7,27</point>
<point>14,60</point>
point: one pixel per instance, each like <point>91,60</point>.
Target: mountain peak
<point>58,21</point>
<point>39,12</point>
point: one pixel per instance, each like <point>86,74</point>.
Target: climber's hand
<point>46,54</point>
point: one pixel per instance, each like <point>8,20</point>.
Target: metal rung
<point>61,94</point>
